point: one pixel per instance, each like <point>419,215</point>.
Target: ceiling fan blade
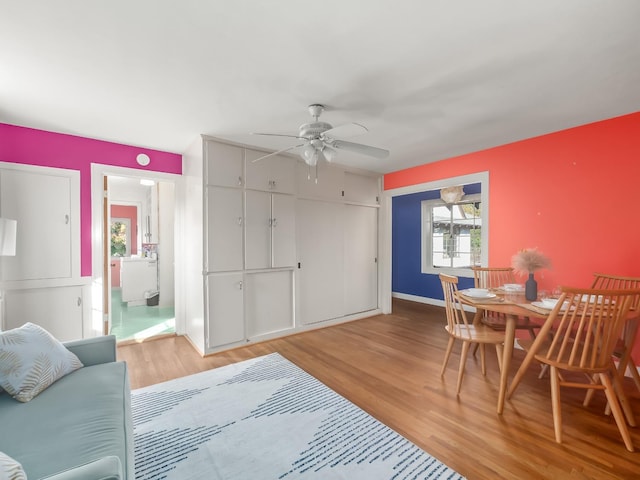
<point>347,130</point>
<point>276,135</point>
<point>276,153</point>
<point>359,148</point>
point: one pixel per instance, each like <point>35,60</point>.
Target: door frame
<point>101,286</point>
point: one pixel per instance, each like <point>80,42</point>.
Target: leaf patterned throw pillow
<point>31,359</point>
<point>10,469</point>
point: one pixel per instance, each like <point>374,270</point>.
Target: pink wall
<point>130,212</point>
<point>37,147</point>
<point>573,194</point>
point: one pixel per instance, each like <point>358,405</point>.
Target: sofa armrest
<point>106,468</point>
<point>93,351</point>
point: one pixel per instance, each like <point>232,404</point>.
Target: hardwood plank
<point>389,365</point>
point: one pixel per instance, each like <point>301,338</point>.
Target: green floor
<point>138,323</point>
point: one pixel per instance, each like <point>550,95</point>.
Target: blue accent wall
<point>406,275</point>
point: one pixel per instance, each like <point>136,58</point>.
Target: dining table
<point>512,304</point>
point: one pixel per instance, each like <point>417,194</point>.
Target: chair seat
<point>476,333</point>
<point>563,363</point>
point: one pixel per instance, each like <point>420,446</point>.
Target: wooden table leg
<point>507,352</point>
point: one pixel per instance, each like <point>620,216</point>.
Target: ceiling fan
<point>319,140</point>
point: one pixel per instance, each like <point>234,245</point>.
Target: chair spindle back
<point>588,323</point>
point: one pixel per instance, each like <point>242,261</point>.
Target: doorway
<point>139,254</point>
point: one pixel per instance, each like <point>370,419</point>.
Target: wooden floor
<point>389,365</point>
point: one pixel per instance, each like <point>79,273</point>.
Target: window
<point>451,234</point>
<point>120,237</point>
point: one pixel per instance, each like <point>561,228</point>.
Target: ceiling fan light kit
<point>320,142</point>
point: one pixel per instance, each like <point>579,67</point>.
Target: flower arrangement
<point>528,261</point>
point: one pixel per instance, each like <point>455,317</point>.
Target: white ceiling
<point>431,79</point>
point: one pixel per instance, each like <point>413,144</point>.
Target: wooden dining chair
<point>495,277</point>
<point>624,345</point>
<point>579,337</point>
<point>459,328</point>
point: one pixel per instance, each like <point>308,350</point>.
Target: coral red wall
<point>573,194</point>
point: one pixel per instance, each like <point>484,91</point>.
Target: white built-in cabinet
<point>225,224</point>
<point>321,258</point>
<point>269,230</point>
<point>225,309</point>
<point>268,302</point>
<point>274,174</point>
<point>361,258</point>
<point>223,164</point>
<point>281,252</point>
<point>41,283</point>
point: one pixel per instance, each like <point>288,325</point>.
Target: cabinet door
<point>41,204</point>
<point>319,281</point>
<point>225,312</point>
<point>283,174</point>
<point>274,174</point>
<point>361,188</point>
<point>329,185</point>
<point>58,310</point>
<point>269,302</point>
<point>283,230</point>
<point>224,229</point>
<point>257,229</point>
<point>223,164</point>
<point>360,258</point>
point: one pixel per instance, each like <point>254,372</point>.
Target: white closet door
<point>223,164</point>
<point>58,310</point>
<point>257,229</point>
<point>283,230</point>
<point>268,300</point>
<point>360,255</point>
<point>225,309</point>
<point>224,229</point>
<point>41,203</point>
<point>320,294</point>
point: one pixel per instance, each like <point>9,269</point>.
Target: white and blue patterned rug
<point>266,418</point>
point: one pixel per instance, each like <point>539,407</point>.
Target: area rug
<point>266,418</point>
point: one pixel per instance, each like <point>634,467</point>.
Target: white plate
<point>546,307</point>
<point>513,287</point>
<point>476,294</point>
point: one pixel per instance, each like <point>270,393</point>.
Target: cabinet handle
<point>79,301</point>
<point>66,219</point>
<point>240,285</point>
<point>272,184</point>
<point>239,221</point>
<point>239,181</point>
<point>274,222</point>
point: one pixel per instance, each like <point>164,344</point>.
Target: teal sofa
<point>78,428</point>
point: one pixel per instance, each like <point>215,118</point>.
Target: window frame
<point>426,237</point>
